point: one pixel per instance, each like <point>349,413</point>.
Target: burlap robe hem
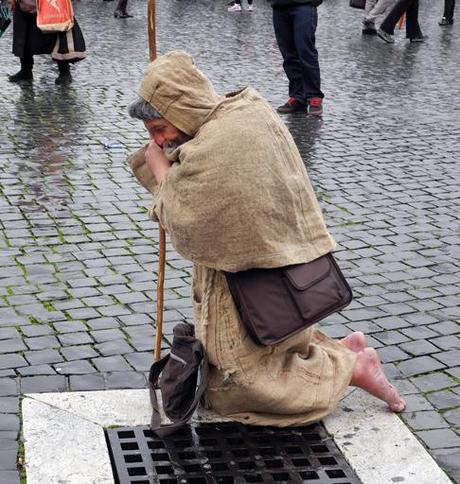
<point>297,382</point>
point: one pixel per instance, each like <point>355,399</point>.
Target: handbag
<point>54,15</point>
<point>358,4</point>
<point>275,304</point>
<point>5,18</point>
<point>182,377</point>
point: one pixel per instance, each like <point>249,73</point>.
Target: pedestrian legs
<point>295,28</point>
<point>64,76</point>
<point>413,30</point>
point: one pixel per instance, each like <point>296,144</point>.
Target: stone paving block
<point>111,363</point>
<point>114,310</point>
<point>94,381</point>
<point>8,333</point>
<point>447,342</point>
<point>8,459</point>
<point>425,420</point>
<point>125,379</point>
<point>136,319</point>
<point>12,346</point>
<point>77,367</point>
<point>433,381</point>
<point>419,348</point>
<point>33,330</point>
<point>41,342</point>
<point>36,370</point>
<point>114,347</point>
<point>389,354</point>
<point>42,384</point>
<point>9,422</point>
<point>79,338</point>
<point>419,365</point>
<point>417,403</point>
<point>12,361</point>
<point>8,387</point>
<point>391,337</point>
<point>9,405</point>
<point>418,332</point>
<point>449,358</point>
<point>103,323</point>
<point>83,313</point>
<point>439,438</point>
<point>446,327</point>
<point>9,477</point>
<point>455,372</point>
<point>43,357</point>
<point>78,352</point>
<point>140,361</point>
<point>102,335</point>
<point>444,399</point>
<point>453,417</point>
<point>8,444</point>
<point>69,326</point>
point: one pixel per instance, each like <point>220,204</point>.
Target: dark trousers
<point>449,6</point>
<point>410,8</point>
<point>295,28</point>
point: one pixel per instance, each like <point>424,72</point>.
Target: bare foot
<point>355,342</point>
<point>369,376</point>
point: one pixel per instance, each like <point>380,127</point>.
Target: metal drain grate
<point>227,453</point>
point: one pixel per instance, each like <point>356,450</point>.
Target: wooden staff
<point>161,235</point>
<point>401,22</point>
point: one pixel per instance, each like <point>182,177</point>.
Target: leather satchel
<point>182,377</point>
<point>275,304</point>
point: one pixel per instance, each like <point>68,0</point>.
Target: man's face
<point>165,135</point>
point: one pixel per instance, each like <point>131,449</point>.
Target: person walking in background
<point>413,31</point>
<point>236,6</point>
<point>448,17</point>
<point>373,10</point>
<point>295,24</point>
<point>29,40</point>
<point>120,9</point>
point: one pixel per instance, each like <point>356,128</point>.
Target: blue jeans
<point>295,28</point>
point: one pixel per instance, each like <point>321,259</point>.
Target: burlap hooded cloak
<point>237,196</point>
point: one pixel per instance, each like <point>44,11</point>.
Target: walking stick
<point>401,22</point>
<point>161,235</point>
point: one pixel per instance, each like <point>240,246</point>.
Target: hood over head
<point>179,91</point>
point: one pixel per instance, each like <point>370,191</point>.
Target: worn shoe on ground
<point>250,8</point>
<point>446,21</point>
<point>21,75</point>
<point>292,106</point>
<point>388,38</point>
<point>369,28</point>
<point>234,8</point>
<point>315,106</point>
<point>63,78</point>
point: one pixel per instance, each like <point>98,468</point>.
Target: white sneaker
<point>234,8</point>
<point>250,8</point>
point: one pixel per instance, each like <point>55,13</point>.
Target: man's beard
<point>170,146</point>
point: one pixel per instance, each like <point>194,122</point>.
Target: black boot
<point>25,74</point>
<point>64,76</point>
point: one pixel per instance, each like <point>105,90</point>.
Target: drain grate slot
<point>228,453</point>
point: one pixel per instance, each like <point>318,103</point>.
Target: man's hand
<point>157,161</point>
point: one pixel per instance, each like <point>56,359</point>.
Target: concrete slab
<point>378,445</point>
<point>65,443</point>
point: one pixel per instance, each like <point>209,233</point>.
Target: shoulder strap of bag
<point>155,371</point>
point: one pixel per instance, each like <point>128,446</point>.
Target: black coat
<point>29,40</point>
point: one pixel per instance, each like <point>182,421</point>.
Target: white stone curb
<point>65,442</point>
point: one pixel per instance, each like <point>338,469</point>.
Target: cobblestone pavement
<point>78,253</point>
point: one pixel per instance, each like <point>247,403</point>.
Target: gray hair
<point>142,110</point>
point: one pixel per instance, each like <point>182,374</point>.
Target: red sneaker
<point>315,106</point>
<point>293,105</point>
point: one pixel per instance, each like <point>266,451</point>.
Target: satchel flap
<point>303,276</point>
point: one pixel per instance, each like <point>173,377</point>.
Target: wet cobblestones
<point>78,255</point>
